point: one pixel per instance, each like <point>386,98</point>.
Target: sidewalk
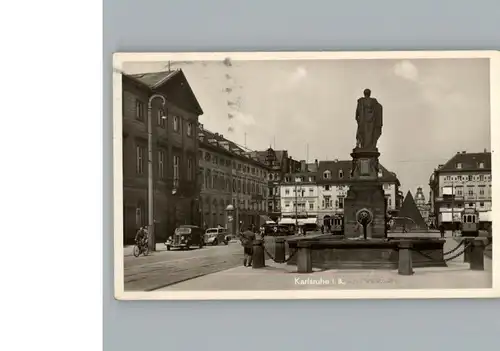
<point>283,277</point>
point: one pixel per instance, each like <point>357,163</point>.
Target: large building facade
<point>279,163</point>
<point>174,152</point>
<point>319,190</point>
<point>230,176</point>
<point>462,182</point>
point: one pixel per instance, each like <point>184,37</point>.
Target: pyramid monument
<point>409,209</point>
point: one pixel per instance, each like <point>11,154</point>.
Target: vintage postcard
<point>306,175</point>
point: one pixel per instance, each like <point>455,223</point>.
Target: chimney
<point>316,163</point>
<point>463,152</point>
<point>485,150</point>
<point>303,165</point>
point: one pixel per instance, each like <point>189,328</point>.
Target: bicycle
<point>141,248</point>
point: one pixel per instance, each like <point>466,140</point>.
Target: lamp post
<point>174,192</point>
<point>152,243</point>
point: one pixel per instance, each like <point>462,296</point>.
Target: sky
<point>433,108</point>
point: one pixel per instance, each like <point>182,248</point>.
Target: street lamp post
<point>152,243</point>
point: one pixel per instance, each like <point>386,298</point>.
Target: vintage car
<point>215,236</point>
<point>186,236</point>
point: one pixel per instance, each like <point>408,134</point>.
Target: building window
<point>459,192</point>
<point>327,202</point>
<point>176,164</point>
<point>161,118</point>
<point>471,192</point>
<point>327,187</point>
<point>139,157</point>
<point>481,164</point>
<point>161,164</point>
<point>481,204</point>
<point>470,177</point>
<point>311,206</point>
<point>458,165</point>
<point>287,191</point>
<point>481,177</point>
<point>311,191</point>
<point>139,110</point>
<point>175,121</point>
<point>341,174</point>
<point>481,191</point>
<point>341,202</point>
<point>189,131</point>
<point>327,174</point>
<point>190,169</point>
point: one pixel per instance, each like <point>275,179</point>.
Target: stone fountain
<point>365,244</point>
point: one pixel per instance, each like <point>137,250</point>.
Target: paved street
<point>163,268</point>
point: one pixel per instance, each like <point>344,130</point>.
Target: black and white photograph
<point>304,175</point>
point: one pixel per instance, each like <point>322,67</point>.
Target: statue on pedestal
<point>369,118</point>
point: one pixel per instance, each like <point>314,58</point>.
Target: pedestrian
<point>322,229</point>
<point>441,230</point>
<point>247,239</point>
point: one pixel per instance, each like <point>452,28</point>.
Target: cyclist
<point>141,237</point>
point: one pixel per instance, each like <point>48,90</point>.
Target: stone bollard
<point>476,256</point>
<point>279,250</point>
<point>304,261</point>
<point>258,259</point>
<point>467,250</point>
<point>405,264</point>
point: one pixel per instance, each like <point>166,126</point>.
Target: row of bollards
<point>473,254</point>
<point>259,254</point>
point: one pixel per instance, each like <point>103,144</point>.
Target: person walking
<point>247,239</point>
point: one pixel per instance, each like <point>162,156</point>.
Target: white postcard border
<point>120,58</point>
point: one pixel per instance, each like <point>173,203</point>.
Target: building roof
<point>345,166</point>
<point>217,142</point>
<point>468,162</point>
<point>172,80</point>
<point>409,209</point>
<point>154,79</point>
<point>263,155</point>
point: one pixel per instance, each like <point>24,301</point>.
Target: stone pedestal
<point>365,198</point>
<point>258,259</point>
<point>304,261</point>
<point>405,264</point>
<point>279,250</point>
<point>476,256</point>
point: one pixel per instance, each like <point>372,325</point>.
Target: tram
<point>334,224</point>
<point>470,222</point>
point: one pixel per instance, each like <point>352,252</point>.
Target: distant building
<point>422,205</point>
<point>175,146</point>
<point>230,176</point>
<point>299,196</point>
<point>318,190</point>
<point>334,178</point>
<point>462,182</point>
<point>278,163</point>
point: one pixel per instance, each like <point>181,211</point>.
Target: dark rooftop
<point>464,161</point>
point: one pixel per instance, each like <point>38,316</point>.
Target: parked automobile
<point>186,236</point>
<point>215,236</point>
